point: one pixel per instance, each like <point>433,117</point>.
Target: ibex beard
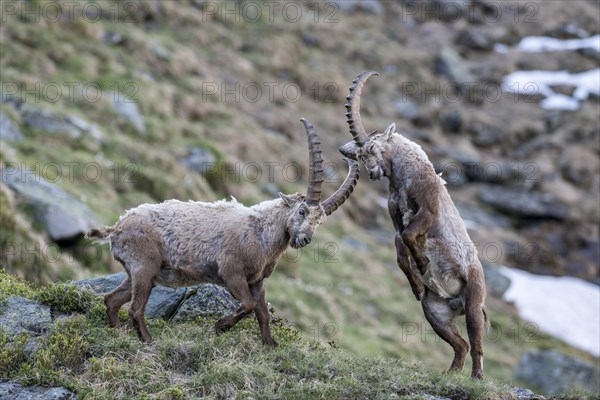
<point>179,244</point>
<point>433,247</point>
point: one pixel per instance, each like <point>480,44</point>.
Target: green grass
<point>188,360</point>
<point>359,303</point>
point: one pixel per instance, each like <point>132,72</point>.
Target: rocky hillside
<point>110,105</point>
<point>63,355</point>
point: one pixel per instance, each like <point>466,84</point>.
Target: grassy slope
<point>81,353</point>
<point>360,300</point>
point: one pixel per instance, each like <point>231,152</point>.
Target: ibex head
<point>306,213</point>
<point>371,149</point>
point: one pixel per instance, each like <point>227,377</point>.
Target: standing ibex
<point>181,244</point>
<point>448,277</point>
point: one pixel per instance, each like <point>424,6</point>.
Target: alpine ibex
<point>448,277</point>
<point>179,244</point>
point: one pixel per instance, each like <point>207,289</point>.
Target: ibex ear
<point>287,200</point>
<point>389,131</point>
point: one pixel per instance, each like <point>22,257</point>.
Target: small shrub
<point>13,286</point>
<point>67,298</point>
<point>12,353</point>
<point>64,348</point>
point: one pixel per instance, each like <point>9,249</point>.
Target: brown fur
<point>447,276</point>
<point>179,244</point>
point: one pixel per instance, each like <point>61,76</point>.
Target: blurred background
<point>106,105</point>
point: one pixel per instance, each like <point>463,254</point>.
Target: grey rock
<point>162,303</point>
<point>485,135</point>
<point>481,217</point>
<point>63,216</point>
<point>553,372</point>
<point>8,130</point>
<point>102,285</point>
<point>594,55</point>
<point>14,391</point>
<point>568,31</point>
<point>521,203</point>
<point>86,127</point>
<point>450,64</point>
<point>160,51</point>
<point>309,39</point>
<point>523,394</point>
<point>19,315</point>
<point>367,6</point>
<point>208,301</point>
<point>452,122</point>
<point>200,159</point>
<point>495,281</point>
<point>473,39</point>
<point>112,38</point>
<point>129,110</point>
<point>49,122</point>
<point>498,171</point>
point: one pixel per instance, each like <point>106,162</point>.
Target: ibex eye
<point>302,212</point>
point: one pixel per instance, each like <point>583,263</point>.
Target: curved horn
<point>341,195</point>
<point>315,166</point>
<point>353,106</point>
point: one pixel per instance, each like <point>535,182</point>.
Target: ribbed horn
<point>353,107</point>
<point>341,195</point>
<point>315,165</point>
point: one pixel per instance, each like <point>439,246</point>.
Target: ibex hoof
<point>418,290</point>
<point>477,375</point>
<point>270,342</point>
<point>222,326</point>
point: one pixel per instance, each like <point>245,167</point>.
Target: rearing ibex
<point>448,277</point>
<point>180,244</point>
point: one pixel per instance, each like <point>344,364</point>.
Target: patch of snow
<point>565,307</point>
<point>535,44</point>
<point>501,48</point>
<point>540,82</point>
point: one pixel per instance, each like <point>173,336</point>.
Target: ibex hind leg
<point>475,316</point>
<point>142,282</point>
<point>442,319</point>
<point>115,299</point>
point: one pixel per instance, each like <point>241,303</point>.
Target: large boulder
<point>63,216</point>
<point>14,391</point>
<point>553,372</point>
<point>52,123</point>
<point>207,301</point>
<point>19,315</point>
<point>162,303</point>
<point>496,282</point>
<point>522,203</point>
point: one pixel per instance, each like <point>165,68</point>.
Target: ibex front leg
<point>397,206</point>
<point>238,286</point>
<point>262,314</point>
<point>414,236</point>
